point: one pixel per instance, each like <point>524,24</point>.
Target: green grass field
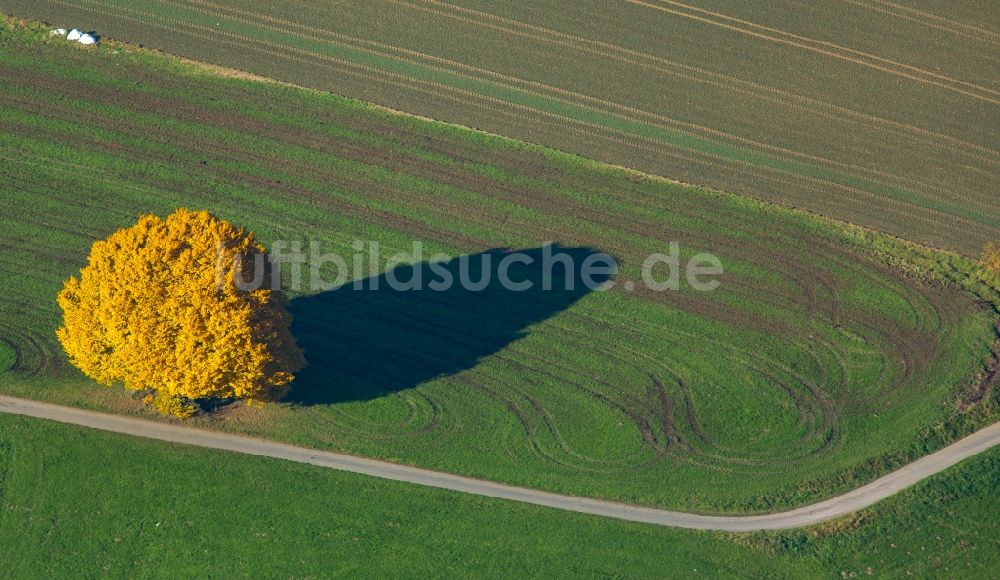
<point>878,113</point>
<point>815,353</point>
<point>76,502</point>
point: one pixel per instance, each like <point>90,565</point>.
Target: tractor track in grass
<point>528,199</point>
<point>472,338</point>
<point>809,515</point>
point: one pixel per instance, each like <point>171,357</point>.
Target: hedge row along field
<point>890,120</point>
<point>134,527</point>
<point>814,352</point>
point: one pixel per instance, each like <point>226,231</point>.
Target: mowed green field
<point>79,502</point>
<point>879,113</point>
<point>814,366</point>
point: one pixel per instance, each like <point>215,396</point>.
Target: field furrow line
<point>722,81</point>
<point>629,113</point>
<point>862,118</point>
<point>494,110</point>
<point>659,145</point>
<point>938,18</point>
<point>802,42</point>
<point>987,36</point>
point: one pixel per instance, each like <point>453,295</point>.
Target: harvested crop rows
<point>891,134</point>
<point>810,353</point>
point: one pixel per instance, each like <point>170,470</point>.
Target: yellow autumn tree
<point>158,307</point>
<point>991,257</point>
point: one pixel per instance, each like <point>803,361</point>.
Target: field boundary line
<point>842,505</point>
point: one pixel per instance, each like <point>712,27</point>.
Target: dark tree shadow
<point>364,343</point>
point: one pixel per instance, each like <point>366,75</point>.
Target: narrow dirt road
<point>805,516</point>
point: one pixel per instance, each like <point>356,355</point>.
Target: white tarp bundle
<point>77,35</point>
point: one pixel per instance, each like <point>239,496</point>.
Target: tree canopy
<point>157,308</point>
